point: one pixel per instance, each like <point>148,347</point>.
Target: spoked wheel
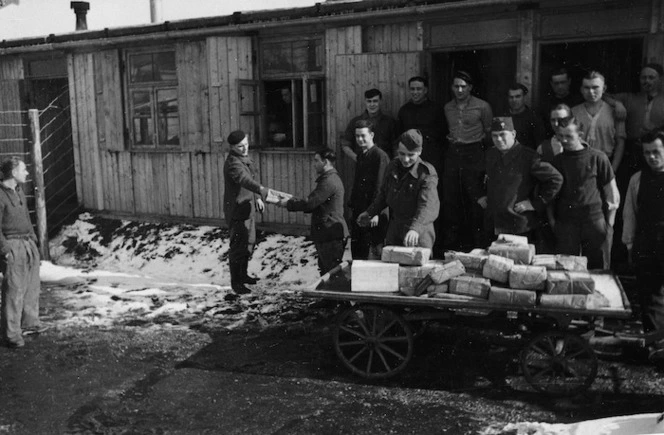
<point>559,364</point>
<point>373,341</point>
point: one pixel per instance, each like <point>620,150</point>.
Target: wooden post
<point>40,198</point>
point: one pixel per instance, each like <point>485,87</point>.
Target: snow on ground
<point>107,272</point>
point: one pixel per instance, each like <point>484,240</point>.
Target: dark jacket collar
<point>326,174</point>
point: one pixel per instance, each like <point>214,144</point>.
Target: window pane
<point>277,58</point>
<point>164,66</point>
<point>315,113</point>
<point>140,68</point>
<point>141,104</point>
<point>169,131</point>
<point>167,117</point>
<point>300,56</point>
<point>143,131</point>
<point>316,55</point>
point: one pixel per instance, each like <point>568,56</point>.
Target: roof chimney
<point>155,11</point>
<point>81,10</point>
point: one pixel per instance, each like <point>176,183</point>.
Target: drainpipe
<point>81,10</point>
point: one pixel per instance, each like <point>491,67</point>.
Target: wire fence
<point>58,161</point>
<point>56,167</point>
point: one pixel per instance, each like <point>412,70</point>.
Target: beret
<point>236,137</point>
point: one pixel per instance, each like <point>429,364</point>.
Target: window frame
<point>303,79</point>
<point>153,88</point>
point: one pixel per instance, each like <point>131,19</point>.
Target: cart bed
<point>605,282</point>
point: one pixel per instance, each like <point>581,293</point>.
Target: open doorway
<point>619,60</point>
<point>493,69</point>
<point>47,89</point>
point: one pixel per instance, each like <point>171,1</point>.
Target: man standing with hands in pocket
<point>19,260</point>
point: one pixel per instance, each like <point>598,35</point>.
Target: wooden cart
<point>374,332</point>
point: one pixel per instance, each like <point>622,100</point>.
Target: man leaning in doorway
<point>243,196</point>
<point>19,258</point>
<point>469,120</point>
<point>561,93</point>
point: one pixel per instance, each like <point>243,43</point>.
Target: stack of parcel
<point>507,273</point>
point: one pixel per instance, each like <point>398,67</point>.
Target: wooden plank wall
<point>87,161</point>
<point>387,38</point>
<point>356,73</point>
<point>229,60</point>
<point>193,85</point>
<point>291,172</point>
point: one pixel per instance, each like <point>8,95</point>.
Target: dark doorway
<point>493,69</point>
<point>618,60</point>
<point>48,91</point>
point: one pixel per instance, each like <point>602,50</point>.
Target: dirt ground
<point>155,376</point>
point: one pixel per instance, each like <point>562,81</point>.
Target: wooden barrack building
<point>151,105</point>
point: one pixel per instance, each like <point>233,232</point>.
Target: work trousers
<point>583,237</point>
<point>330,254</point>
<point>366,242</point>
<point>242,239</point>
<point>464,169</point>
<point>20,289</point>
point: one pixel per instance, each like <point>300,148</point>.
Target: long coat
<point>413,201</point>
<point>326,205</point>
<point>240,187</point>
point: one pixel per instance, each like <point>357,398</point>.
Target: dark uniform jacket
<point>429,118</point>
<point>530,130</point>
<point>384,128</point>
<point>326,205</point>
<point>240,187</point>
<point>513,177</point>
<point>369,175</point>
<point>412,196</point>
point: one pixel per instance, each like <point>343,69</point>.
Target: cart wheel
<point>559,363</point>
<point>372,341</point>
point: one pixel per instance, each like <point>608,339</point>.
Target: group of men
<point>552,181</point>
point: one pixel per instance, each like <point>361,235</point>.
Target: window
<point>153,99</point>
<point>295,113</point>
<point>294,93</point>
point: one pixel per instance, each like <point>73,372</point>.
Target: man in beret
<point>243,196</point>
<point>518,184</point>
<point>469,120</point>
<point>410,192</point>
<point>329,231</point>
<point>529,128</point>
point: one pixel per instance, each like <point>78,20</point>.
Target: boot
<point>237,278</point>
<point>251,280</point>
